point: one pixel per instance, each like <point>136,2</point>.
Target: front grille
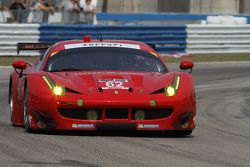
<point>157,113</point>
<point>78,113</point>
<point>119,113</point>
<point>116,113</point>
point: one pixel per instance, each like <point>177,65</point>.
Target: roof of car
<point>104,43</point>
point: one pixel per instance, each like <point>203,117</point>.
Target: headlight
<point>56,89</point>
<point>59,90</point>
<point>172,89</point>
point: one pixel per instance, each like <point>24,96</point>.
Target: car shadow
<point>116,133</point>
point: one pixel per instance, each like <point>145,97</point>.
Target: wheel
<point>11,107</point>
<point>14,116</point>
<point>26,118</point>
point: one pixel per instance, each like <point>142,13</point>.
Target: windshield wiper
<point>70,69</point>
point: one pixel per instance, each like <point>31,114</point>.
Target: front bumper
<point>180,112</point>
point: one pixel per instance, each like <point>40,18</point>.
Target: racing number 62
<point>112,84</point>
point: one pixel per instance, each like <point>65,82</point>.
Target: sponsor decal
<point>86,126</point>
<point>139,126</point>
<point>108,73</point>
<point>148,126</point>
<point>101,44</point>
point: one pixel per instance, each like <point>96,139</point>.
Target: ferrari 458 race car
<point>92,84</point>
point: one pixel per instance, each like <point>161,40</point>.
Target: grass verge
<point>211,58</point>
<point>7,60</point>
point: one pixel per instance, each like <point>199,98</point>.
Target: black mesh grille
<point>116,113</point>
<point>120,113</point>
<point>157,113</point>
<point>77,113</point>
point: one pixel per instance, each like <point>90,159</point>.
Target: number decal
<point>114,84</point>
<point>110,84</point>
<point>119,84</point>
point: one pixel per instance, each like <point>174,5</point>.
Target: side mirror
<point>20,64</point>
<point>186,64</point>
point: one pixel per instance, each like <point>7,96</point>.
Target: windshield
<point>100,58</point>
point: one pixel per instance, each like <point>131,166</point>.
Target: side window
<point>39,64</point>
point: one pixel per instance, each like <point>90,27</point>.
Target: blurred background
<point>182,6</point>
<point>175,27</point>
<point>57,11</point>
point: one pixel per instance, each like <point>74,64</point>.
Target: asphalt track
<point>222,136</point>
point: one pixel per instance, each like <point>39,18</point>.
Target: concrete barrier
<point>218,39</point>
<point>169,39</point>
<point>11,34</point>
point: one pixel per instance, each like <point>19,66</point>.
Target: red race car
<point>94,84</point>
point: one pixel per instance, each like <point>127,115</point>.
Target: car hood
<point>82,82</point>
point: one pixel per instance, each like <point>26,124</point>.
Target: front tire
<point>14,114</point>
<point>11,107</point>
<point>26,112</point>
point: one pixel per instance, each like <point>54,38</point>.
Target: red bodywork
<point>64,112</point>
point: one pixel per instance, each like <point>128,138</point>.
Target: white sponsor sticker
<point>109,73</point>
<point>148,126</point>
<point>88,126</point>
<point>101,44</point>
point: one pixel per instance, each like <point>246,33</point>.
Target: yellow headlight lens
<point>170,91</point>
<point>49,81</point>
<point>56,89</point>
<point>59,90</point>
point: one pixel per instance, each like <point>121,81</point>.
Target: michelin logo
<point>88,126</point>
<point>148,126</point>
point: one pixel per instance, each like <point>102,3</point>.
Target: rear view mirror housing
<point>20,64</point>
<point>187,65</point>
